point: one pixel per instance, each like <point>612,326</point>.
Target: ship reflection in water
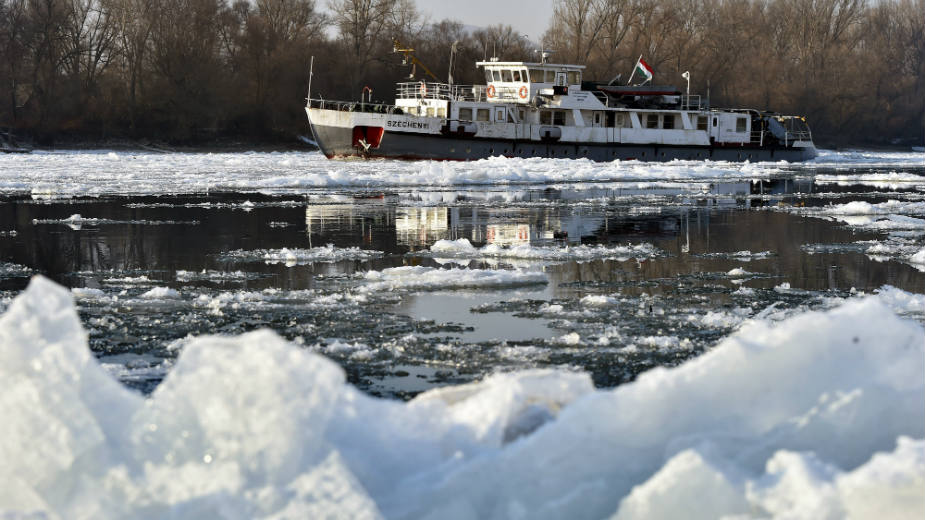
<point>234,260</point>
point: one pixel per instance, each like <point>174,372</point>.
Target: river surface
<point>418,275</point>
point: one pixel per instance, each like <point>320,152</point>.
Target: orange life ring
<point>523,92</point>
<point>423,88</point>
<point>490,91</point>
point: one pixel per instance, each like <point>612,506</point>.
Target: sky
<point>529,18</point>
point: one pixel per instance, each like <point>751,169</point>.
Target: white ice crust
<point>463,248</point>
<point>818,416</point>
<point>69,173</point>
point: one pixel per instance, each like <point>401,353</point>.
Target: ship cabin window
<point>510,116</point>
<point>558,118</point>
<point>545,117</point>
<point>550,76</point>
<point>714,121</point>
<point>506,76</point>
<point>412,110</point>
<point>430,111</point>
<point>465,114</point>
<point>499,115</point>
<point>668,121</point>
<point>521,114</point>
<point>740,124</point>
<point>441,112</point>
<point>574,78</point>
<point>481,114</point>
<point>597,119</point>
<point>651,120</point>
<point>701,122</point>
<point>624,122</point>
<point>536,75</point>
<point>609,119</point>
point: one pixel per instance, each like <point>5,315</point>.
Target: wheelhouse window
<point>488,76</point>
<point>481,114</point>
<point>496,74</point>
<point>506,76</point>
<point>465,114</point>
<point>651,120</point>
<point>740,124</point>
<point>516,74</point>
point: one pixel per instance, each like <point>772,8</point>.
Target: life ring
<point>523,92</point>
<point>490,91</point>
<point>423,88</point>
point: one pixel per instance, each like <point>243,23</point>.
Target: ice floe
<point>10,270</point>
<point>463,248</point>
<point>822,415</point>
<point>76,221</point>
<point>96,173</point>
<point>297,256</point>
<point>428,278</point>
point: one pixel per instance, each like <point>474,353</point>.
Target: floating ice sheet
<point>428,278</point>
<point>463,248</point>
<point>822,415</point>
<point>297,256</point>
<point>95,173</point>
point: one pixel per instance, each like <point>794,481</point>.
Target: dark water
<point>660,309</point>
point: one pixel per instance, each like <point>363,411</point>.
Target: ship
<point>543,109</point>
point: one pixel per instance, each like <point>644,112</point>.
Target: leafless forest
<point>193,71</point>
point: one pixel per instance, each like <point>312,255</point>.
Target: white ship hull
<point>342,133</point>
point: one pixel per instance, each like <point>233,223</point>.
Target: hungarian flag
<point>644,69</point>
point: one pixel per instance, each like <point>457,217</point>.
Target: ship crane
<point>410,57</point>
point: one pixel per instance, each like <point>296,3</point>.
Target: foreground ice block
<point>819,416</point>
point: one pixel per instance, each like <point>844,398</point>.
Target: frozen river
<point>546,283</point>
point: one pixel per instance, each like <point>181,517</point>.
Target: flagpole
<point>634,70</point>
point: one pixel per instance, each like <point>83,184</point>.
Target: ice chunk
<point>462,248</point>
<point>822,414</point>
<point>429,278</point>
<point>686,479</point>
<point>160,293</point>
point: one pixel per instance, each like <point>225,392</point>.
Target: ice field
<point>276,335</point>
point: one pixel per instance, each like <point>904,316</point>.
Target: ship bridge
<point>505,82</point>
<point>520,81</point>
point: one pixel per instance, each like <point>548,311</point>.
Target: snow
<point>818,416</point>
<point>70,173</point>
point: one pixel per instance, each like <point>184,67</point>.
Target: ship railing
<point>692,102</point>
<point>422,90</point>
<point>603,98</point>
<point>798,135</point>
<point>353,106</point>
